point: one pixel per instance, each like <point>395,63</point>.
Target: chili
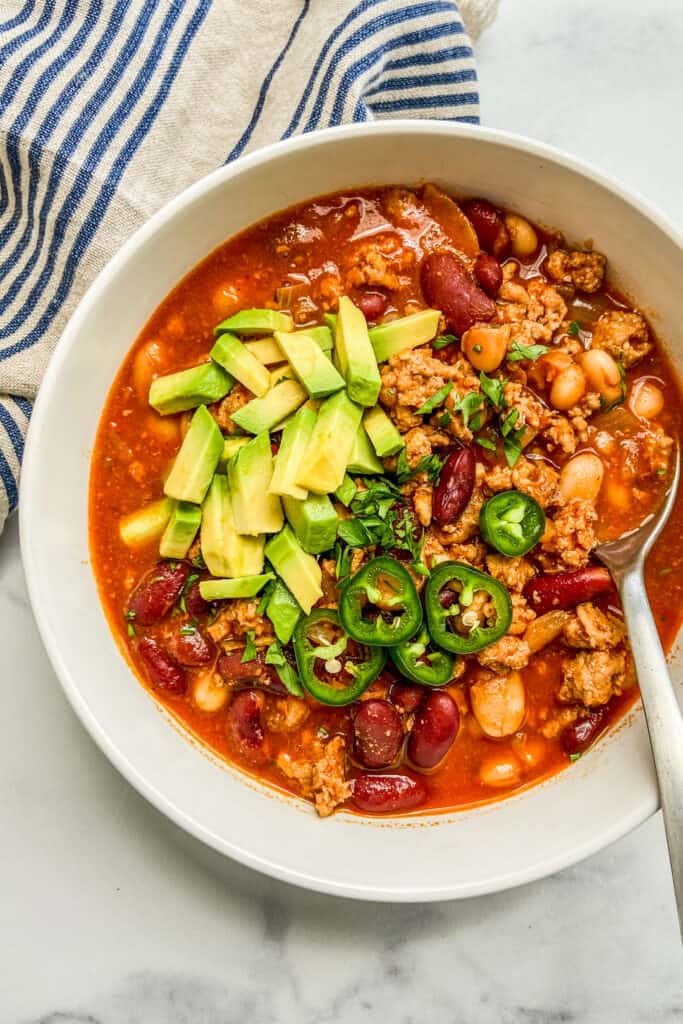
<point>443,610</point>
<point>419,661</point>
<point>512,523</point>
<point>346,677</point>
<point>386,586</point>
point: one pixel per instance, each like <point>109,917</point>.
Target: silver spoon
<point>625,559</point>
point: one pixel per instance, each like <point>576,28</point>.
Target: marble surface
<point>108,915</point>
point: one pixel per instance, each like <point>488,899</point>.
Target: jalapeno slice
<point>379,605</point>
<point>419,661</point>
<point>512,523</point>
<point>456,596</point>
<point>332,666</point>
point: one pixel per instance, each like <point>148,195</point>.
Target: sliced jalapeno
<point>456,599</point>
<point>379,605</point>
<point>421,662</point>
<point>332,666</point>
<point>512,523</point>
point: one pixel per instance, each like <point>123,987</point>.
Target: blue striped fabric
<point>100,102</point>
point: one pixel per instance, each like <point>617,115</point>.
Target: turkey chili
<point>346,490</point>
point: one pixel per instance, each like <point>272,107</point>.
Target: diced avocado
<point>310,364</point>
<point>181,530</point>
<point>385,438</point>
<point>257,321</point>
<point>283,371</point>
<point>363,458</point>
<point>225,552</point>
<point>312,404</point>
<point>230,446</point>
<point>222,590</point>
<point>200,385</point>
<point>322,336</point>
<point>283,611</point>
<point>266,350</point>
<point>407,332</point>
<point>145,524</point>
<point>249,474</point>
<point>331,322</point>
<point>238,361</point>
<point>295,438</point>
<point>330,446</point>
<point>264,413</point>
<point>297,569</point>
<point>313,520</point>
<point>197,459</point>
<point>346,491</point>
<point>355,354</point>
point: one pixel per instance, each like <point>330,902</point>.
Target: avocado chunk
<point>230,446</point>
<point>363,458</point>
<point>181,530</point>
<point>249,474</point>
<point>346,491</point>
<point>355,354</point>
<point>322,336</point>
<point>264,413</point>
<point>197,459</point>
<point>200,385</point>
<point>266,350</point>
<point>222,590</point>
<point>225,552</point>
<point>311,404</point>
<point>407,332</point>
<point>241,364</point>
<point>384,436</point>
<point>310,364</point>
<point>283,371</point>
<point>295,438</point>
<point>296,568</point>
<point>145,524</point>
<point>283,611</point>
<point>249,322</point>
<point>330,446</point>
<point>331,323</point>
<point>313,520</point>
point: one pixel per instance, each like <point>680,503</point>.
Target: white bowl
<point>454,855</point>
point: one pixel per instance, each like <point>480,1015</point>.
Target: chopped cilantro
<point>286,674</point>
<point>353,533</point>
<point>130,629</point>
<point>429,464</point>
<point>661,472</point>
<point>250,650</point>
<point>486,443</point>
<point>445,339</point>
<point>323,733</point>
<point>187,630</point>
<point>130,615</point>
<point>519,352</point>
<point>574,757</point>
<point>198,561</point>
<point>445,419</point>
<point>607,406</point>
<point>507,423</point>
<point>512,446</point>
<point>469,408</point>
<point>342,561</point>
<point>265,596</point>
<point>436,400</point>
<point>494,389</point>
<point>192,578</point>
<point>574,328</point>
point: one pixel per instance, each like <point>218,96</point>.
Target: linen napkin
<point>108,108</point>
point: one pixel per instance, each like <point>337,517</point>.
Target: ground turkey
<point>583,270</point>
<point>591,678</point>
<point>322,778</point>
<point>624,335</point>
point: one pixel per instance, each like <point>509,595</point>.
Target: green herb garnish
<point>494,390</point>
<point>486,443</point>
<point>574,757</point>
<point>130,629</point>
<point>469,408</point>
<point>519,352</point>
<point>574,328</point>
<point>250,649</point>
<point>445,339</point>
<point>436,400</point>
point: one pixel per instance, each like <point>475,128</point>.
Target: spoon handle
<point>663,717</point>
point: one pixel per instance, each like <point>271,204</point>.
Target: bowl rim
<point>547,865</point>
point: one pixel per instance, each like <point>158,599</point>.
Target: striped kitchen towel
<point>108,108</point>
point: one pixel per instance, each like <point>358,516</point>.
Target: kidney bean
<point>567,589</point>
<point>244,727</point>
<point>377,734</point>
<point>455,486</point>
<point>164,673</point>
<point>578,736</point>
<point>251,673</point>
<point>157,592</point>
<point>488,273</point>
<point>407,697</point>
<point>190,647</point>
<point>194,602</point>
<point>388,794</point>
<point>435,729</point>
<point>447,286</point>
<point>492,233</point>
<point>373,304</point>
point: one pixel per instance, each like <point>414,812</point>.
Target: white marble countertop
<point>109,916</point>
